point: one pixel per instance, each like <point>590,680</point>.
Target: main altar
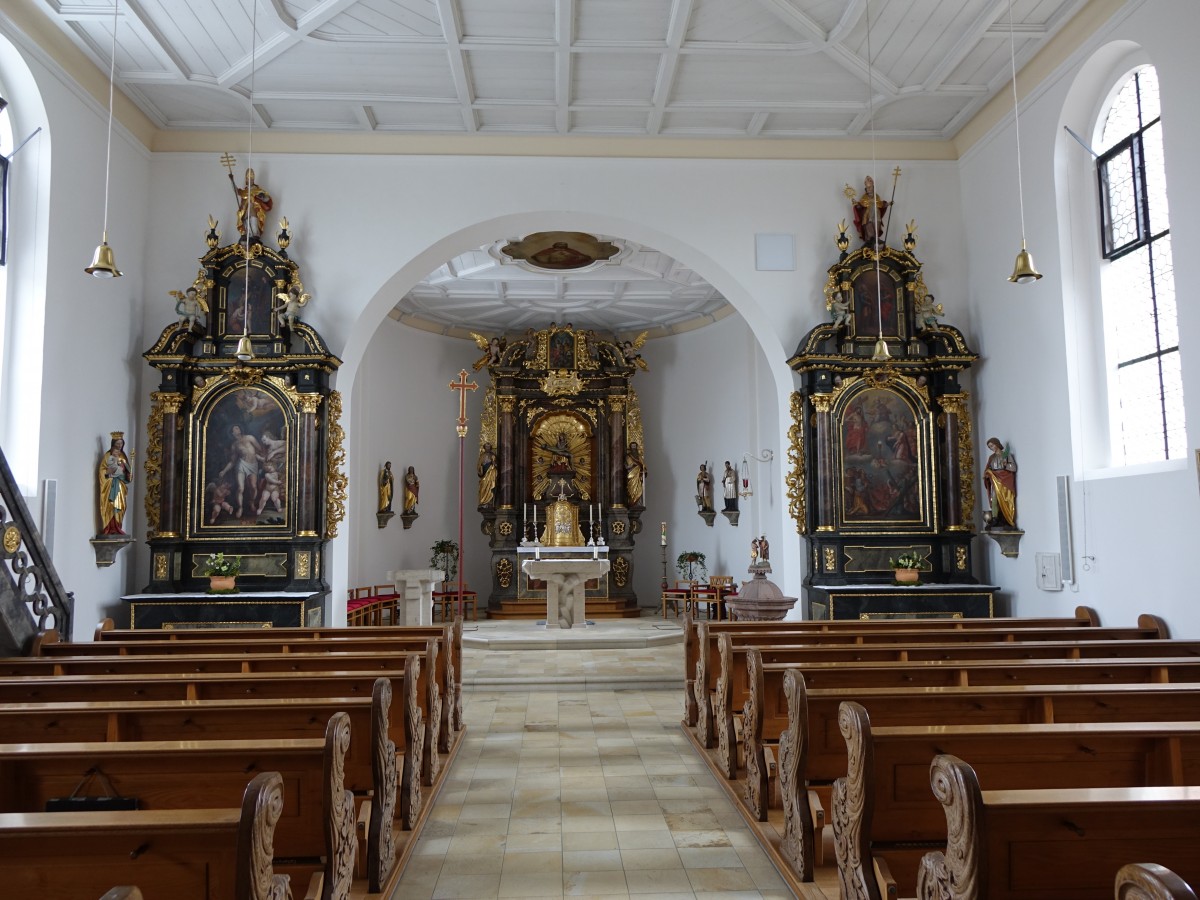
<point>881,439</point>
<point>561,435</point>
<point>244,442</point>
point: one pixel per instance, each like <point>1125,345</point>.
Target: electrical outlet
<point>1049,571</point>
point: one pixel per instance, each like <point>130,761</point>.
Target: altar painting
<point>245,463</point>
<point>258,308</point>
<point>560,464</point>
<point>873,304</point>
<point>880,449</point>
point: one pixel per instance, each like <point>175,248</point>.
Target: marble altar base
<point>565,582</point>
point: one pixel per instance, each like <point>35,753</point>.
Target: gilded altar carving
<point>822,403</point>
<point>633,420</point>
<point>959,405</point>
<point>303,564</point>
<point>152,464</point>
<point>310,403</point>
<point>505,529</point>
<point>618,528</point>
<point>960,558</point>
<point>562,452</point>
<point>558,384</point>
<point>337,483</point>
<point>504,572</point>
<point>506,403</point>
<point>830,559</point>
<point>381,845</point>
<point>616,404</point>
<point>620,568</point>
<point>162,562</point>
<point>488,420</point>
<point>795,477</point>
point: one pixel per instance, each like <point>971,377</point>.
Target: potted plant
<point>906,567</point>
<point>690,565</point>
<point>222,572</point>
<point>445,558</point>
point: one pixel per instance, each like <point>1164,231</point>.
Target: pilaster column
<point>169,514</point>
<point>504,453</point>
<point>823,403</point>
<point>616,451</point>
<point>306,512</point>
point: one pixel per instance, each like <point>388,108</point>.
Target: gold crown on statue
<point>117,435</point>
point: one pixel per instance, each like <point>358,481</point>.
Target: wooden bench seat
<point>193,854</point>
<point>882,808</point>
<point>1006,845</point>
<point>376,641</point>
<point>317,820</point>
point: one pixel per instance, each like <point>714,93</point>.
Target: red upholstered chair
<point>677,596</point>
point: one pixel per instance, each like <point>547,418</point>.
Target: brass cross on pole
<point>462,386</point>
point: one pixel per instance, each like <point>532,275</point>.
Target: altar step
<point>597,608</point>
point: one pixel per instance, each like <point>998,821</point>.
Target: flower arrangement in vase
<point>907,567</point>
<point>222,572</point>
<point>445,558</point>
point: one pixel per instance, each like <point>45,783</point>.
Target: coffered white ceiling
<point>758,69</point>
<point>693,68</point>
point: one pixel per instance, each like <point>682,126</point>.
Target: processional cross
<point>462,386</point>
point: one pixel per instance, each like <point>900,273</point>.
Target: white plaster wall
<point>1135,528</point>
<point>91,342</point>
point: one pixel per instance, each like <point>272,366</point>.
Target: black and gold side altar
<point>881,446</point>
<point>561,424</point>
<point>245,449</point>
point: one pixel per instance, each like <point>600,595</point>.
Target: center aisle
<point>586,790</point>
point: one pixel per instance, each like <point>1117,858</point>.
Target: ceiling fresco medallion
<point>560,251</point>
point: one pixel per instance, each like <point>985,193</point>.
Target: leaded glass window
<point>1141,332</point>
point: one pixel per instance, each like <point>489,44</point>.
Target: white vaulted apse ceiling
<point>757,69</point>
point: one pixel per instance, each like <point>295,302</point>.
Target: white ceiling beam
<point>564,33</point>
<point>451,18</point>
<point>787,12</point>
<point>275,46</point>
<point>757,122</point>
<point>668,64</point>
<point>967,42</point>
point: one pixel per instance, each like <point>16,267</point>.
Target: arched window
<point>6,149</point>
<point>1141,335</point>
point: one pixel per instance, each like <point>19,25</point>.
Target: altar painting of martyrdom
<point>560,450</point>
<point>246,461</point>
<point>880,465</point>
<point>262,294</point>
<point>870,305</point>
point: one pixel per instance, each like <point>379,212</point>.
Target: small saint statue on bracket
<point>729,487</point>
<point>1000,482</point>
<point>387,485</point>
<point>412,493</point>
<point>116,474</point>
<point>704,489</point>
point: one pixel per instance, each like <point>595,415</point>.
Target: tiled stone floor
<point>586,791</point>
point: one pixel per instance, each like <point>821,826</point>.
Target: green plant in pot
<point>690,565</point>
<point>445,558</point>
<point>907,567</point>
<point>222,572</point>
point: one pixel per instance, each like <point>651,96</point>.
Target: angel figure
<point>838,302</point>
<point>924,309</point>
<point>630,350</point>
<point>492,349</point>
<point>189,306</point>
<point>287,310</point>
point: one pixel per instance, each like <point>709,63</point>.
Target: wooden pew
<point>125,892</point>
<point>703,636</point>
<point>318,818</point>
<point>883,815</point>
<point>1005,664</point>
<point>216,686</point>
<point>194,854</point>
<point>731,659</point>
<point>812,752</point>
<point>1052,843</point>
<point>1149,881</point>
<point>435,740</point>
<point>106,632</point>
<point>265,719</point>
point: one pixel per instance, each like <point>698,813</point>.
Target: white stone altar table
<point>565,581</point>
<point>416,587</point>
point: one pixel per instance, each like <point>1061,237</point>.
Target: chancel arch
<point>715,263</point>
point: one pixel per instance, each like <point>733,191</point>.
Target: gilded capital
<point>308,403</point>
<point>822,403</point>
